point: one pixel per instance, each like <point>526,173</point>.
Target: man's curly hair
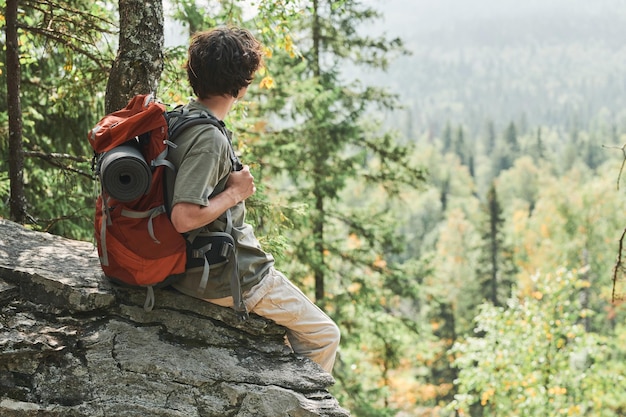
<point>222,61</point>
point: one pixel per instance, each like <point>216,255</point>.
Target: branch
<point>66,40</point>
<point>54,6</point>
<point>52,159</point>
<point>52,222</point>
<point>621,168</point>
<point>617,268</point>
<point>397,154</point>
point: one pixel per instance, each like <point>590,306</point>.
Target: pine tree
<point>325,145</point>
<point>496,269</point>
<point>447,138</point>
<point>510,138</point>
<point>343,173</point>
<point>459,146</point>
<point>56,66</point>
<point>539,145</point>
<point>17,198</point>
<point>490,138</point>
<point>505,151</point>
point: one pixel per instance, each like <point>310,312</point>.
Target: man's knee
<point>332,334</point>
<point>336,332</point>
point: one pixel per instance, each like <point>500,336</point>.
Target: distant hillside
<point>561,64</point>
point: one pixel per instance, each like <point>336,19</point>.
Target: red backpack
<point>137,243</point>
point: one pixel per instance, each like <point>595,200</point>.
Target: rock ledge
<point>73,344</point>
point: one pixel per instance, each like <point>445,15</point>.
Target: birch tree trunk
<point>139,62</point>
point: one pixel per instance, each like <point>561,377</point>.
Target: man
<point>209,195</point>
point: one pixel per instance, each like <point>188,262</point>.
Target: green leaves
<point>534,357</point>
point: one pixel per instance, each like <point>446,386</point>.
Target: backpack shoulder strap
<point>178,120</point>
<point>181,118</point>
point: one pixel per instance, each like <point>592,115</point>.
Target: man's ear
<point>241,93</point>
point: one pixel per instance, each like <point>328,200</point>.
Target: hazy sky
<point>572,39</point>
<point>410,17</point>
<point>405,17</point>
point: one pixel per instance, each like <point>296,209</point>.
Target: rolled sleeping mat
<point>124,173</point>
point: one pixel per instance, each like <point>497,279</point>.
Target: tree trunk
<point>318,222</point>
<point>494,214</point>
<point>139,62</point>
<point>318,232</point>
<point>17,201</point>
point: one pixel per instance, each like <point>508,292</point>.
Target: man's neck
<point>219,105</point>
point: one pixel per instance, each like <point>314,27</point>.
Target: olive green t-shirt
<point>203,163</point>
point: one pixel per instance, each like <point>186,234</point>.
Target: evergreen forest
<point>443,178</point>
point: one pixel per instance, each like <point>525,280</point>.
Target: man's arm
<point>188,216</point>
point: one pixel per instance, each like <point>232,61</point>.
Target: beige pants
<point>310,331</point>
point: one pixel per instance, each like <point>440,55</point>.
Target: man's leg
<point>310,331</point>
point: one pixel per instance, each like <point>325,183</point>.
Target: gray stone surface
<point>73,344</point>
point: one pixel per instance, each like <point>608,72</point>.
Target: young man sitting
<point>209,195</point>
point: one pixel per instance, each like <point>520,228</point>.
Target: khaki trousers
<point>309,330</point>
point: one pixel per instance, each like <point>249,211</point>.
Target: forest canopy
<point>445,182</point>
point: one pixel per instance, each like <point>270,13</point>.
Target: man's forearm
<point>188,216</point>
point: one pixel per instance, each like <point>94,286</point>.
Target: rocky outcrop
<point>73,344</point>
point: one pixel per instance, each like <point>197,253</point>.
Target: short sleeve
<point>203,156</point>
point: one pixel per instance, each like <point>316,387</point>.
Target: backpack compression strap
<point>150,214</point>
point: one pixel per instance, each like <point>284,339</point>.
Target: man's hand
<point>240,185</point>
<point>187,216</point>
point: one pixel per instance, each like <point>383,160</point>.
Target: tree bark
<point>494,231</point>
<point>139,62</point>
<point>318,218</point>
<point>17,200</point>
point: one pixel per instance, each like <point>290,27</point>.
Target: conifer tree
<point>460,148</point>
<point>539,145</point>
<point>447,137</point>
<point>51,89</point>
<point>496,269</point>
<point>511,141</point>
<point>17,198</point>
<point>490,139</point>
<point>325,146</point>
<point>343,172</point>
<point>505,151</point>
